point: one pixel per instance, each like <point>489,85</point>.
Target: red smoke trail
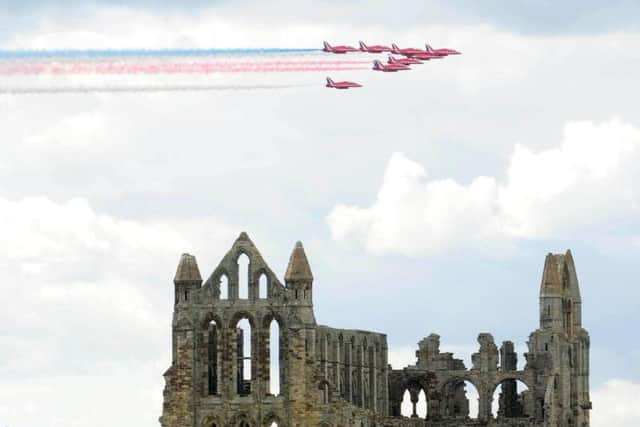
<point>172,68</point>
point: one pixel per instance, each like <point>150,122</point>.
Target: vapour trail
<point>102,53</point>
<point>150,88</point>
<point>170,68</point>
<point>77,71</point>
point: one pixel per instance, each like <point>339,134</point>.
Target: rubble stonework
<point>337,378</point>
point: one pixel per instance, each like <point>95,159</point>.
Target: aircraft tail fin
<point>394,48</point>
<point>330,82</point>
<point>428,48</point>
<point>377,65</point>
<point>362,45</point>
<point>327,46</point>
<point>391,59</point>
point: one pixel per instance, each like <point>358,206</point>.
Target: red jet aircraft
<point>409,51</point>
<point>341,85</point>
<point>374,49</point>
<point>425,56</point>
<point>338,49</point>
<point>441,52</point>
<point>403,61</point>
<point>379,66</point>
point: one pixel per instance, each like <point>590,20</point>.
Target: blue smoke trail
<point>102,53</point>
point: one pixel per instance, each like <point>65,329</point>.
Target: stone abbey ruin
<point>224,364</point>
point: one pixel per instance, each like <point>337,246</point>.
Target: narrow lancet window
<point>274,358</point>
<point>262,287</point>
<point>243,343</point>
<point>212,344</point>
<point>243,276</point>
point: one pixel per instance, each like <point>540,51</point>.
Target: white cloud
<point>71,239</point>
<point>78,130</point>
<point>589,178</point>
<point>89,305</point>
<point>101,398</point>
<point>109,27</point>
<point>84,285</point>
<point>616,403</point>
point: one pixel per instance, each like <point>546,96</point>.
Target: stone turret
<point>298,277</point>
<point>187,278</point>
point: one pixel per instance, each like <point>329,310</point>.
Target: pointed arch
<point>274,359</point>
<point>212,421</point>
<point>241,419</point>
<point>223,285</point>
<point>243,263</point>
<point>263,286</point>
<point>325,391</point>
<point>273,364</point>
<point>406,407</point>
<point>421,405</point>
<point>242,326</point>
<point>272,420</point>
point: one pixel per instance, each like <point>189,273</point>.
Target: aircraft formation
<point>402,62</point>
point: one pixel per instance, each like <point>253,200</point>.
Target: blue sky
<point>426,202</point>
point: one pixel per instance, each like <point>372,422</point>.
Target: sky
<point>426,201</point>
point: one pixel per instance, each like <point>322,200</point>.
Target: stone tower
<point>225,362</point>
<point>564,343</point>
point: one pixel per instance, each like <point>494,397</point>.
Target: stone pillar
<point>349,373</point>
<point>384,388</point>
<point>233,361</point>
<point>264,361</point>
<point>178,408</point>
<point>360,378</point>
<point>324,355</point>
<point>484,403</point>
<point>414,400</point>
<point>509,405</point>
<point>297,383</point>
<point>374,379</point>
<point>227,355</point>
<point>338,367</point>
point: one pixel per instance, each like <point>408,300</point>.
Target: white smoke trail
<point>149,88</point>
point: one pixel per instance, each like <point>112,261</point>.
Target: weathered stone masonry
<point>220,374</point>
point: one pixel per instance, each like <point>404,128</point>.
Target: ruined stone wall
<point>447,383</point>
<point>354,364</point>
<point>332,377</point>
